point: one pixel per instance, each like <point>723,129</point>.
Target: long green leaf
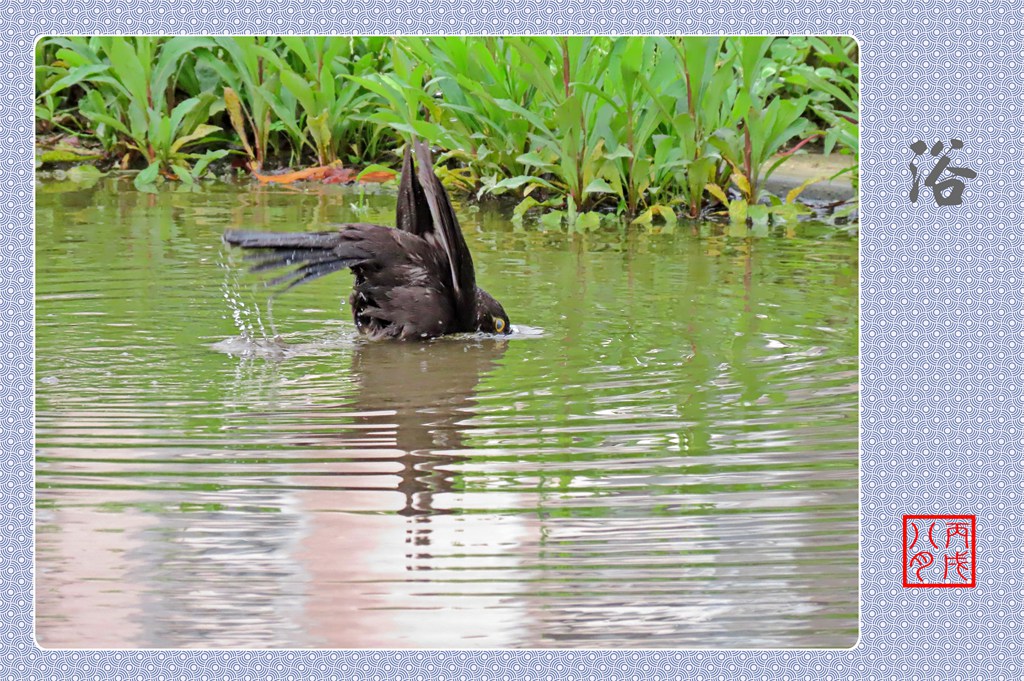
<point>298,86</point>
<point>74,77</point>
<point>130,70</point>
<point>206,159</point>
<point>106,119</point>
<point>171,54</point>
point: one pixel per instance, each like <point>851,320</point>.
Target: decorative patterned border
<point>941,328</point>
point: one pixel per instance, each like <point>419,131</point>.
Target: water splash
<point>253,339</point>
<point>247,318</point>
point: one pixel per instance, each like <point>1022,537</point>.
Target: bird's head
<point>490,315</point>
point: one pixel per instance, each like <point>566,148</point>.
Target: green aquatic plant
<point>691,108</point>
<point>131,97</point>
<point>765,122</point>
<point>639,161</point>
<point>567,123</point>
<point>331,102</point>
<point>251,92</point>
<point>832,82</point>
<point>64,64</point>
<point>474,78</point>
<point>407,103</point>
<point>647,128</point>
<point>53,78</point>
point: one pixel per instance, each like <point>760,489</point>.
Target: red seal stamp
<point>939,550</point>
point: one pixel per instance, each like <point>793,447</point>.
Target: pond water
<point>663,455</point>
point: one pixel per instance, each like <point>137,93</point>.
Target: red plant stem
<point>690,104</point>
<point>565,67</point>
<point>800,144</point>
<point>692,107</point>
<point>578,189</point>
<point>632,199</point>
<point>746,155</point>
<point>260,141</point>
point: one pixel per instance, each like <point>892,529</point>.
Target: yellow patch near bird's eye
<point>499,324</point>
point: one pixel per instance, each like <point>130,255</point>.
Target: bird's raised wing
<point>444,232</point>
<point>413,212</point>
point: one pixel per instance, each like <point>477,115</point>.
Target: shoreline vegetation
<point>575,129</point>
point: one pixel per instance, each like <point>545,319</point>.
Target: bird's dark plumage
<point>415,281</point>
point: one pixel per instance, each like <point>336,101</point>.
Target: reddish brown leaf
<point>316,173</point>
<point>339,176</point>
<point>378,176</point>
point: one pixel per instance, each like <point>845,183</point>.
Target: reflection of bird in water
<point>416,281</point>
<point>422,394</point>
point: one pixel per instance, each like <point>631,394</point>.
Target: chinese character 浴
<point>948,192</point>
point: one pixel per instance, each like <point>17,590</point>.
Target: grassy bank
<point>647,128</point>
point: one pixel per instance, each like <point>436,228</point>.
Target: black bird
<point>413,282</point>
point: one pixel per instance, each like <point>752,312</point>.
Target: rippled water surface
<point>663,455</point>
